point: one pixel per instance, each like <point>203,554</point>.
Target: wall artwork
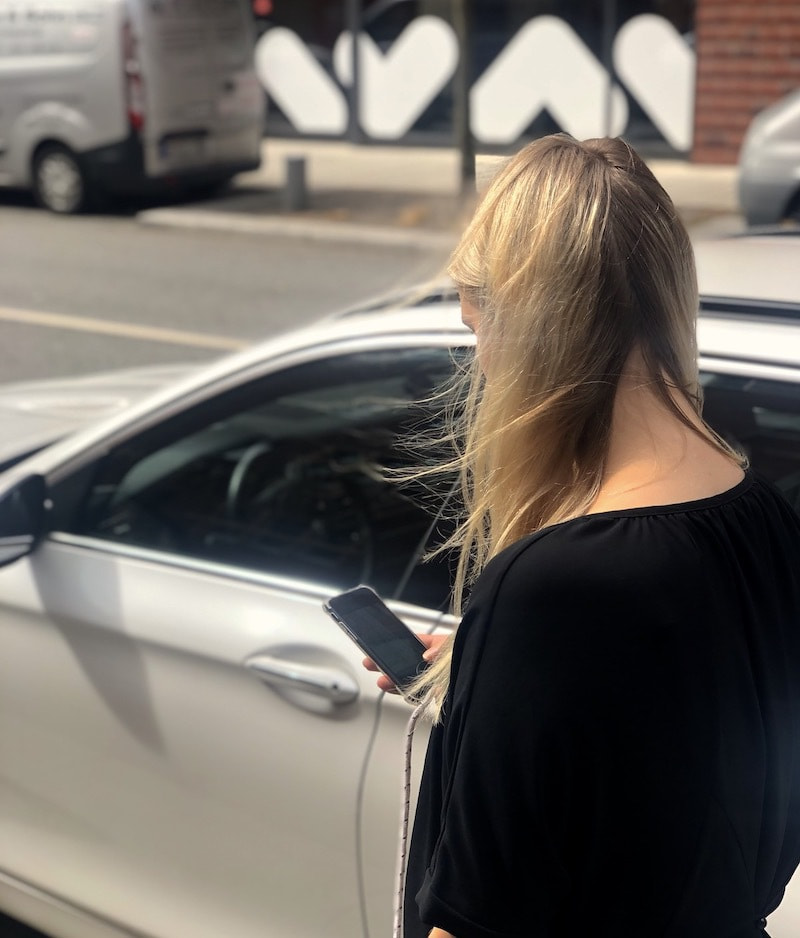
<point>545,65</point>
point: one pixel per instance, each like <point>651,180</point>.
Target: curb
<point>706,224</point>
<point>308,229</point>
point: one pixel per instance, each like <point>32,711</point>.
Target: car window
<point>285,475</point>
<point>762,419</point>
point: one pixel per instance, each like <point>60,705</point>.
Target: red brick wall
<point>748,55</point>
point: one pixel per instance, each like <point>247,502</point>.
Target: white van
<point>125,96</point>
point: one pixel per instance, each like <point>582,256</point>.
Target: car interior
<point>301,485</point>
<point>761,419</point>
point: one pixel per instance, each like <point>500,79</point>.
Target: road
<point>92,293</point>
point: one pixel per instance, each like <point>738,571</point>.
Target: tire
<point>59,182</point>
<point>208,190</point>
<point>11,928</point>
<point>793,211</point>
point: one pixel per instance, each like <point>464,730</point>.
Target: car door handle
<point>333,683</point>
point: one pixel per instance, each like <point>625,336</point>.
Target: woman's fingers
<point>432,645</point>
<point>383,682</point>
<point>387,684</point>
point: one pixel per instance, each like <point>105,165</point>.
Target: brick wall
<point>748,55</point>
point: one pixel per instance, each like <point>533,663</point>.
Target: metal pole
<point>461,107</point>
<point>609,32</point>
<point>354,23</point>
<point>295,193</point>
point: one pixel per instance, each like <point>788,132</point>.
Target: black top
<point>620,750</point>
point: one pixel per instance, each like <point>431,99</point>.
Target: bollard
<point>295,194</point>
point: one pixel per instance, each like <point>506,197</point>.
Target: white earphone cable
<point>402,852</point>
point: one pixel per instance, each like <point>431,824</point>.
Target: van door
<point>202,105</point>
<point>61,81</point>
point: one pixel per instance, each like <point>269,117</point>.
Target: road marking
<point>126,330</point>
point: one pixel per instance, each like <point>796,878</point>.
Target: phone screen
<point>379,633</point>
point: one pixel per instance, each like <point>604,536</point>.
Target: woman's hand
<point>432,644</point>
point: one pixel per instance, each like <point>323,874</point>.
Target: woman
<point>616,748</point>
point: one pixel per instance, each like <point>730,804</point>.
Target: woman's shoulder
<point>651,556</point>
<point>569,555</point>
<point>549,582</point>
<point>642,535</point>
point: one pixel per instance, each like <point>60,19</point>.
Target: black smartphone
<point>378,632</point>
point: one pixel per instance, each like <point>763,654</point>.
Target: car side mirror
<point>22,511</point>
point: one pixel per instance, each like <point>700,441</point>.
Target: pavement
<point>399,196</point>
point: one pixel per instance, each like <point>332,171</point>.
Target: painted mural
<point>544,66</point>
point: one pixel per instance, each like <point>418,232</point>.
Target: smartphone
<point>378,632</point>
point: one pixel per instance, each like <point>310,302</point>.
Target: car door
<point>183,730</point>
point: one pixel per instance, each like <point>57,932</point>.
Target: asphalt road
<point>100,292</point>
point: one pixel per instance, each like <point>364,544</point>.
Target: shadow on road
<point>122,207</point>
<point>12,929</point>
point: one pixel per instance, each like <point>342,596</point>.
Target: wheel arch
<point>49,141</point>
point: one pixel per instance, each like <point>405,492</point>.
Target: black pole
<point>462,124</point>
<point>354,23</point>
<point>609,32</point>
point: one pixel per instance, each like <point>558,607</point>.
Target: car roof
<point>761,266</point>
<point>735,329</point>
<point>743,339</point>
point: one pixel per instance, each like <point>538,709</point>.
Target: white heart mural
<point>299,84</point>
<point>546,65</point>
<point>658,68</point>
<point>398,85</point>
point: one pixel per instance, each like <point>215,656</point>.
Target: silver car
<point>188,745</point>
<point>769,164</point>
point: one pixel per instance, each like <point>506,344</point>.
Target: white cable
<point>362,781</point>
<point>402,852</point>
<point>360,871</point>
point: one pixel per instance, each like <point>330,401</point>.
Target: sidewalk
<point>399,195</point>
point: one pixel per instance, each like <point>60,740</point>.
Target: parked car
<point>189,745</point>
<point>125,96</point>
<point>769,164</point>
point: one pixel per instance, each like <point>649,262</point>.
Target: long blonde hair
<point>575,257</point>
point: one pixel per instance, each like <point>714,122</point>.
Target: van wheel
<point>59,182</point>
<point>208,190</point>
<point>793,211</point>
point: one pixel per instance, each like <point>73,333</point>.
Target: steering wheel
<point>315,509</point>
<point>236,482</point>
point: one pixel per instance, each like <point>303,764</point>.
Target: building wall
<point>748,56</point>
<point>587,67</point>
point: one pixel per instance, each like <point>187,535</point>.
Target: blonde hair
<point>575,257</point>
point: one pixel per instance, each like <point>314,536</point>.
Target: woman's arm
<point>440,933</point>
